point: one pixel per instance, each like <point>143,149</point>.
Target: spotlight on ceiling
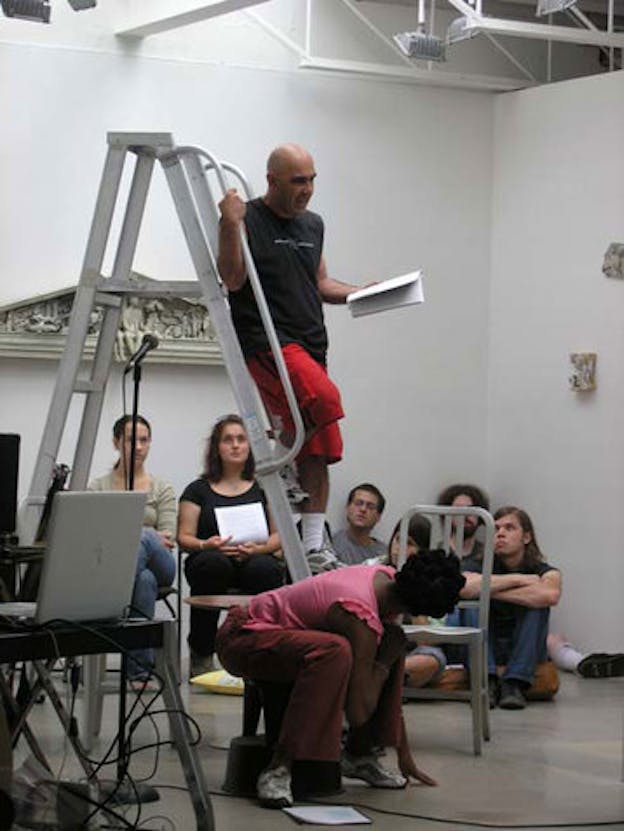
<point>79,5</point>
<point>459,29</point>
<point>37,10</point>
<point>421,45</point>
<point>545,7</point>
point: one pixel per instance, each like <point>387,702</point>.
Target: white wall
<point>404,181</point>
<point>558,203</point>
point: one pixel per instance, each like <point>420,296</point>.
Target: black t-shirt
<point>287,254</point>
<point>200,493</point>
<point>502,614</point>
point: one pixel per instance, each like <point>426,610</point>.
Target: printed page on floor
<point>327,815</point>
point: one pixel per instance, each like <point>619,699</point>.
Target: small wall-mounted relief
<point>583,375</point>
<point>613,263</point>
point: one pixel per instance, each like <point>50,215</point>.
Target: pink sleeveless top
<point>304,605</point>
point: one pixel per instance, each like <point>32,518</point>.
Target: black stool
<point>249,754</point>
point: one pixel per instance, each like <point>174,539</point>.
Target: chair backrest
<point>449,523</point>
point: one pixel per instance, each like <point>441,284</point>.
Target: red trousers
<point>318,665</point>
<point>318,398</point>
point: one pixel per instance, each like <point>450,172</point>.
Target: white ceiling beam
<point>147,24</point>
<point>538,31</point>
<point>405,75</point>
<point>475,24</point>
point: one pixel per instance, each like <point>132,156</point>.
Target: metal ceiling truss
<point>478,23</point>
<point>153,24</point>
<point>404,70</point>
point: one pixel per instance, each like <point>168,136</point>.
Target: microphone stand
<point>127,794</point>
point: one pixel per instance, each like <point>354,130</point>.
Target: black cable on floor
<point>475,824</point>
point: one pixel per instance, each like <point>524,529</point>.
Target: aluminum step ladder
<point>197,181</point>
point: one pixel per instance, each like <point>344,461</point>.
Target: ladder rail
<point>267,467</point>
<point>69,364</point>
<point>252,274</point>
<point>122,265</point>
<point>92,410</point>
<point>135,208</point>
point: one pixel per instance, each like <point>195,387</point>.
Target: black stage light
<point>38,10</point>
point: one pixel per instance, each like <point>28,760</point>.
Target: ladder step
<point>103,298</point>
<point>148,288</point>
<point>87,387</point>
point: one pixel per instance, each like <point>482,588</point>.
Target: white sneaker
<point>274,789</point>
<point>369,770</point>
<point>323,559</point>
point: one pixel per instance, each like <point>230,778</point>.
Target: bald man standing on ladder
<point>286,242</point>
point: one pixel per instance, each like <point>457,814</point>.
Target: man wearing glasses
<point>286,241</point>
<point>355,543</point>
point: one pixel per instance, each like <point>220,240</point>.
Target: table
<point>42,648</point>
<point>218,601</point>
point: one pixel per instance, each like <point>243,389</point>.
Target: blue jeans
<point>520,648</point>
<point>155,568</point>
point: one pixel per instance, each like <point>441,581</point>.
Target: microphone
<point>148,343</point>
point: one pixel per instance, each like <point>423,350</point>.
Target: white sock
<point>312,526</point>
<point>566,657</point>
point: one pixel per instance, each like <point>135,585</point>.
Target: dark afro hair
<point>429,583</point>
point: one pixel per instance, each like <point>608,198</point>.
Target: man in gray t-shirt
<point>354,544</point>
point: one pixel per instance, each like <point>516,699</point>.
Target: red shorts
<point>318,398</point>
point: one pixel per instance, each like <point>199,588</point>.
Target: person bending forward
<point>334,638</point>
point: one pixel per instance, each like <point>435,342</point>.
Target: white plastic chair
<point>475,638</point>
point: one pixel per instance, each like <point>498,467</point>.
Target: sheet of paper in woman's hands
<point>244,523</point>
<point>327,815</point>
<point>389,294</point>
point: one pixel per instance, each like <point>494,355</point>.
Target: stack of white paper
<point>243,523</point>
<point>389,294</point>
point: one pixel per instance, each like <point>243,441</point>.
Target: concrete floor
<point>554,763</point>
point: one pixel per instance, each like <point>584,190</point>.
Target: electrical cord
<point>474,823</point>
<point>132,722</point>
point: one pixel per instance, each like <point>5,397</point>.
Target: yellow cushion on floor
<point>220,682</point>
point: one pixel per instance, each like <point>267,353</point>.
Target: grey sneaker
<point>511,697</point>
<point>323,559</point>
<point>294,491</point>
<point>274,789</point>
<point>369,770</point>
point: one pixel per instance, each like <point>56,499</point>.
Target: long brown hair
<point>532,552</point>
<point>213,464</point>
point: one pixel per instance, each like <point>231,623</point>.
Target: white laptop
<point>90,558</point>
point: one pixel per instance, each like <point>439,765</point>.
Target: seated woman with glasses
<point>156,564</point>
<point>216,561</point>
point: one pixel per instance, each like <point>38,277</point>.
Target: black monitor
<point>9,463</point>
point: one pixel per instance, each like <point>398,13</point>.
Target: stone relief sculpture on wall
<point>37,328</point>
<point>613,263</point>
